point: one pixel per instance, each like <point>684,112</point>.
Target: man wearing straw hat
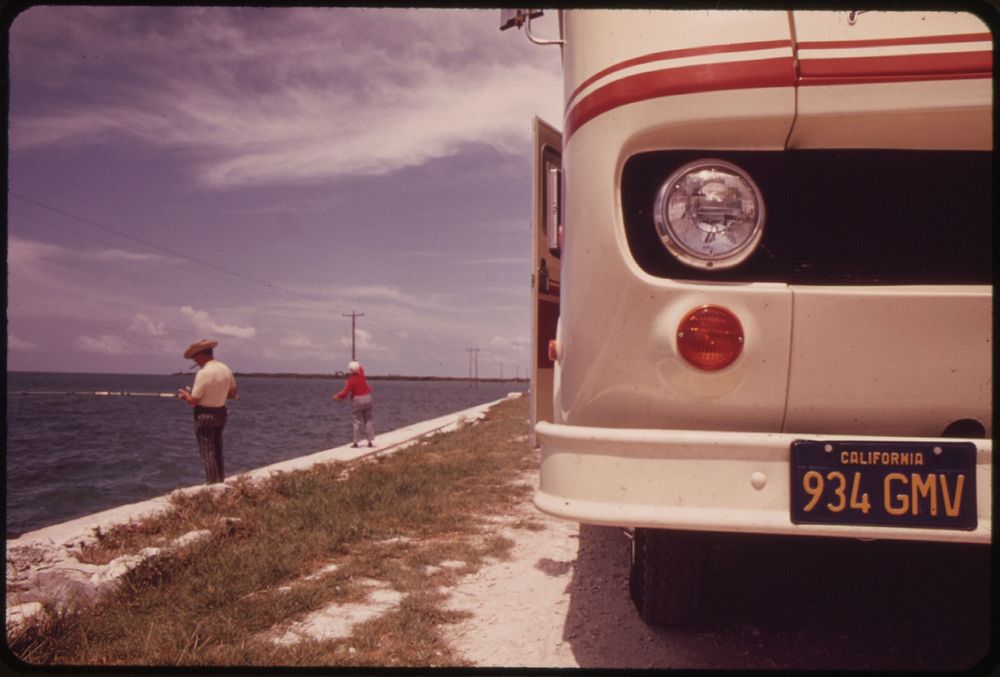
<point>213,385</point>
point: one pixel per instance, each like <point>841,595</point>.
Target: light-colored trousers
<point>361,413</point>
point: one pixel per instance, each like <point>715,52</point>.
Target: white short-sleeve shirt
<point>212,384</point>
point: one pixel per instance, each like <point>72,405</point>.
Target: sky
<point>256,175</point>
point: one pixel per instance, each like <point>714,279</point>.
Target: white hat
<point>353,367</point>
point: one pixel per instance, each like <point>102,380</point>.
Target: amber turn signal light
<point>553,350</point>
<point>710,338</point>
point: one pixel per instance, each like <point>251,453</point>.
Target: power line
<point>64,228</point>
<point>161,248</point>
<point>88,236</point>
<point>473,357</point>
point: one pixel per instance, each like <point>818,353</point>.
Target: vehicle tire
<point>667,576</point>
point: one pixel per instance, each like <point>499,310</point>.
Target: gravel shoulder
<point>561,601</point>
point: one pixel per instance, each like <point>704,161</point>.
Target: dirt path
<point>522,602</point>
<point>562,601</point>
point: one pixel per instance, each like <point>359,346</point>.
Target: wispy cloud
<point>310,108</point>
<point>141,324</point>
<point>364,341</point>
<point>298,341</point>
<point>315,112</point>
<point>15,343</point>
<point>105,343</point>
<point>55,280</point>
<point>496,261</point>
<point>126,256</point>
<point>29,253</point>
<point>203,322</point>
<point>512,349</point>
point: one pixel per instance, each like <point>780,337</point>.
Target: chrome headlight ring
<point>710,214</point>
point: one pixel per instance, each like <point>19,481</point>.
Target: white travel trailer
<point>763,281</point>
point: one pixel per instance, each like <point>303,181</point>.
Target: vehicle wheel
<point>667,576</point>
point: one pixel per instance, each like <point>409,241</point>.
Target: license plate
<point>899,484</point>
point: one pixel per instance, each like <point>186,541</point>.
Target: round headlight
<point>710,214</point>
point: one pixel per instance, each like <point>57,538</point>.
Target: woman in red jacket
<point>360,392</point>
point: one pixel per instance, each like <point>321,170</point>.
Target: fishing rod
<point>94,393</point>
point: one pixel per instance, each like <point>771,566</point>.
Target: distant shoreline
<point>334,376</point>
<point>388,377</point>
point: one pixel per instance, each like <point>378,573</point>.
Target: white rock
<point>190,537</point>
<point>337,620</point>
<point>19,613</point>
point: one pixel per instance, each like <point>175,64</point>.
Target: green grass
<point>391,518</point>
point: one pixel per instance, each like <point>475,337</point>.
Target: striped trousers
<point>208,425</point>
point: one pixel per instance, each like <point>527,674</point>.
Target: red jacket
<point>357,385</point>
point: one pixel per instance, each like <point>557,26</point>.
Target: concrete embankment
<point>42,566</point>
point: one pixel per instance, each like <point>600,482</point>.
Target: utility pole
<point>473,352</point>
<point>353,315</point>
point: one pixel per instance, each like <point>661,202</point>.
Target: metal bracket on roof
<point>852,16</point>
<point>515,18</point>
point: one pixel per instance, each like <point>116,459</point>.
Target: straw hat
<point>198,346</point>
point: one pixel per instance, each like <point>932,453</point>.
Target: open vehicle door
<point>547,232</point>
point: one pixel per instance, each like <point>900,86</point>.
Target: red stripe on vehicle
<point>679,54</point>
<point>776,72</point>
<point>887,42</point>
<point>956,65</point>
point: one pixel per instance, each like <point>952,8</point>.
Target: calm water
<point>70,455</point>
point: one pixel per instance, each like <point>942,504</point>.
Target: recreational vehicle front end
<point>763,271</point>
